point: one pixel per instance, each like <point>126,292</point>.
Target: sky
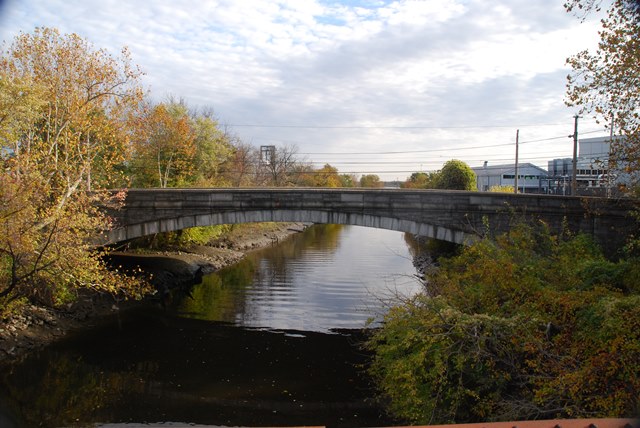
<point>368,86</point>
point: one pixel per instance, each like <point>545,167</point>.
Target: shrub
<point>526,326</point>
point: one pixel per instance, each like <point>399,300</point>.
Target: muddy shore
<point>36,326</point>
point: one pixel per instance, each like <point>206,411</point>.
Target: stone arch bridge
<point>455,216</point>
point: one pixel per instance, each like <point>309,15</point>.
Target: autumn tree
<point>605,83</point>
<point>88,94</point>
<point>164,147</point>
<point>176,145</point>
<point>371,180</point>
<point>64,106</point>
<point>213,144</point>
<point>240,168</point>
<point>420,180</point>
<point>21,104</point>
<point>327,176</point>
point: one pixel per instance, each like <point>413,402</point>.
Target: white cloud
<point>430,63</point>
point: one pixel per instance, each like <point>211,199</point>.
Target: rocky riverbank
<point>37,326</point>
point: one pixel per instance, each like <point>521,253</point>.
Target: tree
<point>421,180</point>
<point>213,145</point>
<point>213,148</point>
<point>88,96</point>
<point>241,167</point>
<point>327,176</point>
<point>283,168</point>
<point>370,180</point>
<point>456,175</point>
<point>164,147</point>
<point>605,83</point>
<point>21,104</point>
<point>348,180</point>
<point>582,8</point>
<point>64,107</point>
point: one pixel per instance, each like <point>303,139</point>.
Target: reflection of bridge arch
<point>453,216</point>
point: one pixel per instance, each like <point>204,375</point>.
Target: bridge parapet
<point>454,216</point>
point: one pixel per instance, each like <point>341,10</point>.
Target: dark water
<point>274,341</point>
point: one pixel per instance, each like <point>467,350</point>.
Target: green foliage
<point>199,235</point>
<point>421,180</point>
<point>438,364</point>
<point>456,175</point>
<point>603,273</point>
<point>525,326</point>
<point>213,149</point>
<point>220,294</point>
<point>348,180</point>
<point>438,248</point>
<point>9,306</point>
<point>21,103</point>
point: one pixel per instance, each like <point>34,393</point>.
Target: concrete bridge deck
<point>455,216</point>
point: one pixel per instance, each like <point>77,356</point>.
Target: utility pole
<point>574,173</point>
<point>515,179</point>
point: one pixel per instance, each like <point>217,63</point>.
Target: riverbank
<point>34,326</point>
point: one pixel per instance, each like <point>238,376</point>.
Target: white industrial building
<point>592,167</point>
<point>593,174</point>
<point>531,178</point>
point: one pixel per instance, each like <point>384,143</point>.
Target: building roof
<point>492,170</point>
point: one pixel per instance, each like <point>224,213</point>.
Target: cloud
<point>432,63</point>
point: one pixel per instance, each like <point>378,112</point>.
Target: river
<point>272,341</point>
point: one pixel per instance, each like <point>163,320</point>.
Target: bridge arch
<point>454,216</point>
<point>440,232</point>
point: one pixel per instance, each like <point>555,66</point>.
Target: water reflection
<point>327,277</point>
<point>151,365</point>
<point>64,390</point>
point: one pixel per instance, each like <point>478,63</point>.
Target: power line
<point>488,146</point>
<point>494,157</point>
<point>405,151</point>
<point>255,125</point>
<point>558,138</point>
<point>602,157</point>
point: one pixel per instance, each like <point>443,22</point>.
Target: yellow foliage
<point>63,110</point>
